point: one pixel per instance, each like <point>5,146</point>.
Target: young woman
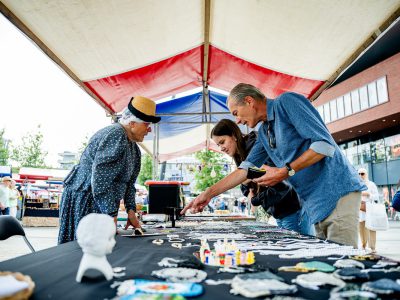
<point>288,213</point>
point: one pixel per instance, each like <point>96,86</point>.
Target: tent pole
<point>155,151</point>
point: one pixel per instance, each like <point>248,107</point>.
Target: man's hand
<point>272,176</point>
<point>198,204</point>
<point>132,220</point>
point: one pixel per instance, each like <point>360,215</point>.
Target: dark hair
<point>228,127</point>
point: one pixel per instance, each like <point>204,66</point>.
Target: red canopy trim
<point>227,70</point>
<point>168,77</point>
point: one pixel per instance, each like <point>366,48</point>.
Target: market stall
<point>301,266</point>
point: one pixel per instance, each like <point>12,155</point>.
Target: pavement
<point>388,242</point>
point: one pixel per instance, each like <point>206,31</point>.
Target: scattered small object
<point>382,286</point>
<point>158,241</point>
<point>316,279</point>
<point>351,274</point>
<point>348,263</point>
<point>218,282</point>
<point>139,286</point>
<point>180,274</point>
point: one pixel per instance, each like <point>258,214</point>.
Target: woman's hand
<point>132,220</point>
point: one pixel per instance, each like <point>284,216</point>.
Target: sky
<point>35,91</point>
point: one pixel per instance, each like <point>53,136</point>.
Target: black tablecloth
<point>51,213</point>
<point>53,270</point>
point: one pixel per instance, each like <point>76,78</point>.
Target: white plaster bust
<point>96,236</point>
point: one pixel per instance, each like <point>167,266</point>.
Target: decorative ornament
<point>180,274</point>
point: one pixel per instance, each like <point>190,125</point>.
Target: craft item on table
<point>225,254</point>
<point>350,291</point>
<point>218,236</point>
<point>351,274</point>
<point>151,297</point>
<point>176,240</point>
<point>138,286</point>
<point>348,263</point>
<point>182,262</point>
<point>218,282</point>
<point>316,279</point>
<point>96,244</point>
<point>365,256</point>
<point>243,269</point>
<point>282,297</point>
<point>180,274</point>
<point>309,266</point>
<point>384,263</point>
<point>383,286</point>
<point>176,245</point>
<point>158,241</point>
<point>15,285</point>
<point>309,253</point>
<point>260,284</point>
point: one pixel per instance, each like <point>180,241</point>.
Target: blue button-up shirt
<point>297,127</point>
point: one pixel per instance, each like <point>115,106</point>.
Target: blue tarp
<point>189,104</point>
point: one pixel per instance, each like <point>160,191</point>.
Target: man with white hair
<point>370,195</point>
<point>107,170</point>
<point>293,135</point>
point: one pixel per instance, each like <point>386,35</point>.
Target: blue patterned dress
<point>106,173</point>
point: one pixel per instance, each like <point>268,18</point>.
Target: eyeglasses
<point>361,173</point>
<point>271,137</point>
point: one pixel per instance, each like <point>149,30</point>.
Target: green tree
<point>4,153</point>
<point>209,160</point>
<point>30,153</point>
<point>82,147</point>
<point>146,169</point>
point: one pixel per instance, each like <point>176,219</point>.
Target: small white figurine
<point>96,236</point>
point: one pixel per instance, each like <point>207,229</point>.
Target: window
<point>355,101</point>
<point>364,98</point>
<point>381,87</point>
<point>372,95</point>
<point>392,144</point>
<point>347,105</point>
<point>340,107</point>
<point>327,113</point>
<point>333,108</point>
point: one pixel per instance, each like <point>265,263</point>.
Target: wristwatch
<point>291,172</point>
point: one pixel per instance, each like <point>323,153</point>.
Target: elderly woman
<point>107,170</point>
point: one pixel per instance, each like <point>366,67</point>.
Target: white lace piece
<point>218,282</point>
<point>316,252</point>
<point>348,263</point>
<point>316,279</point>
<point>216,236</point>
<point>384,263</point>
<point>253,288</point>
<point>180,274</point>
<point>115,284</point>
<point>169,262</point>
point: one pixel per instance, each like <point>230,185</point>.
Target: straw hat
<point>143,108</point>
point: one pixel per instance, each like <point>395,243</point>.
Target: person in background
<point>5,195</point>
<point>14,194</point>
<point>107,170</point>
<point>371,194</point>
<point>288,214</point>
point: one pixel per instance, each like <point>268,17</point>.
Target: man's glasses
<point>271,137</point>
<point>361,173</point>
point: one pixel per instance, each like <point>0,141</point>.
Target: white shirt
<point>373,196</point>
<point>4,195</point>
